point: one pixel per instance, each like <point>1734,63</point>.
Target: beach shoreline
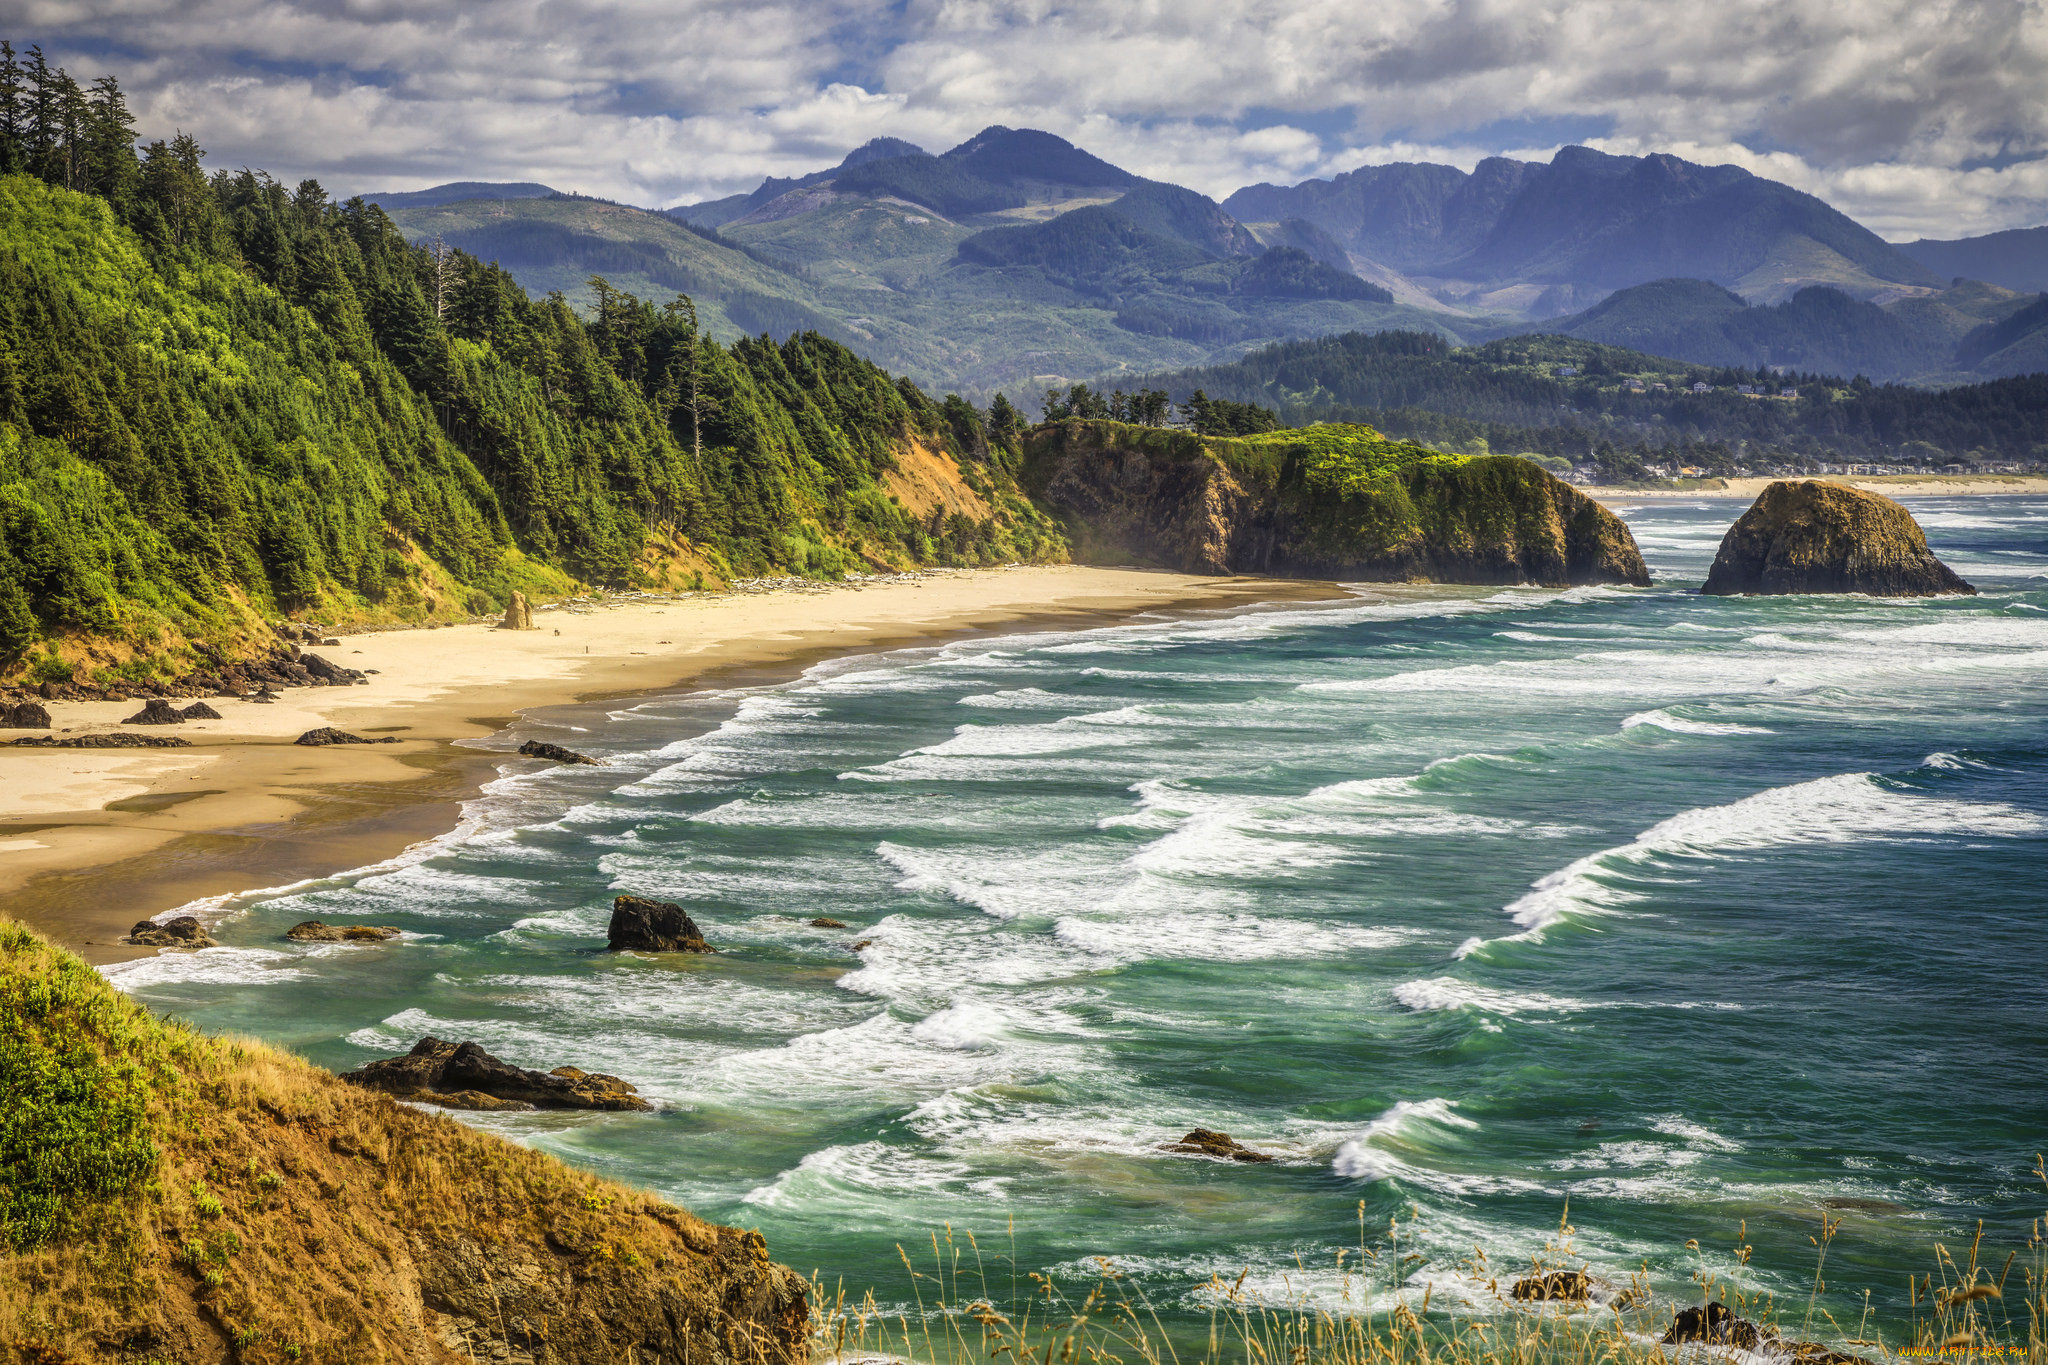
<point>1890,485</point>
<point>93,840</point>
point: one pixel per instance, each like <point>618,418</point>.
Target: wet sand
<point>93,840</point>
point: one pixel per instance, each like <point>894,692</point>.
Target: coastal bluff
<point>167,1195</point>
<point>1805,536</point>
<point>1334,500</point>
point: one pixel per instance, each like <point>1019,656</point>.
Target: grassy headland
<point>170,1196</point>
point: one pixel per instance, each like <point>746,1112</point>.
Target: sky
<point>1916,117</point>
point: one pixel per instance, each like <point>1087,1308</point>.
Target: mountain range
<point>1017,260</point>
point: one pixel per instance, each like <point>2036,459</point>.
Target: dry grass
<point>291,1218</point>
<point>1964,1310</point>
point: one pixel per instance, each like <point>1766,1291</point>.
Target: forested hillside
<point>223,400</point>
<point>1581,400</point>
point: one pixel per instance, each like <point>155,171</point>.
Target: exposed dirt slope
<point>166,1196</point>
<point>1805,536</point>
<point>927,480</point>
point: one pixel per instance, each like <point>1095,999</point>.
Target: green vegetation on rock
<point>1327,501</point>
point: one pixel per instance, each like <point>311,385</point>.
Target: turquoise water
<point>1466,902</point>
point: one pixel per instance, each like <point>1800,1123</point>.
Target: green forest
<point>224,400</point>
<point>1580,400</point>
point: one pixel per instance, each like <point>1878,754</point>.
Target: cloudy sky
<point>1918,117</point>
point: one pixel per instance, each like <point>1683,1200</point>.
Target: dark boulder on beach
<point>1209,1142</point>
<point>534,748</point>
<point>1804,536</point>
<point>113,740</point>
<point>183,932</point>
<point>199,710</point>
<point>24,715</point>
<point>640,925</point>
<point>464,1076</point>
<point>327,734</point>
<point>328,672</point>
<point>313,931</point>
<point>156,711</point>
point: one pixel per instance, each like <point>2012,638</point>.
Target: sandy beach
<point>1891,485</point>
<point>93,840</point>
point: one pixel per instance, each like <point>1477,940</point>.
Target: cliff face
<point>1320,502</point>
<point>1811,537</point>
<point>169,1196</point>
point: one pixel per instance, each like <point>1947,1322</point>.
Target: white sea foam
<point>213,966</point>
<point>1206,937</point>
<point>1680,725</point>
<point>1847,808</point>
<point>1449,993</point>
<point>1407,1124</point>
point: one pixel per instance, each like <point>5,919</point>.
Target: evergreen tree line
<point>222,397</point>
<point>1419,386</point>
<point>1200,413</point>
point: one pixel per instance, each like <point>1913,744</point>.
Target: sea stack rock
<point>643,926</point>
<point>518,615</point>
<point>1803,536</point>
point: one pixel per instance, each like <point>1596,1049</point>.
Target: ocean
<point>1675,918</point>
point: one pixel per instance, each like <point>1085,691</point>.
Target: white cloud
<point>1916,116</point>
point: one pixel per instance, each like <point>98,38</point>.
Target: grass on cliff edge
<point>1972,1306</point>
<point>167,1195</point>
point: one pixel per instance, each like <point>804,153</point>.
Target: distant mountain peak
<point>1016,156</point>
<point>879,149</point>
<point>457,191</point>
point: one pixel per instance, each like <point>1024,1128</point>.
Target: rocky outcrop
<point>24,715</point>
<point>464,1076</point>
<point>156,711</point>
<point>1804,536</point>
<point>1281,504</point>
<point>1714,1323</point>
<point>640,925</point>
<point>518,615</point>
<point>534,748</point>
<point>199,710</point>
<point>106,741</point>
<point>327,734</point>
<point>1570,1286</point>
<point>1209,1142</point>
<point>183,932</point>
<point>313,931</point>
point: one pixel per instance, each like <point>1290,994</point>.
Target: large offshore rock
<point>1320,502</point>
<point>649,926</point>
<point>1804,536</point>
